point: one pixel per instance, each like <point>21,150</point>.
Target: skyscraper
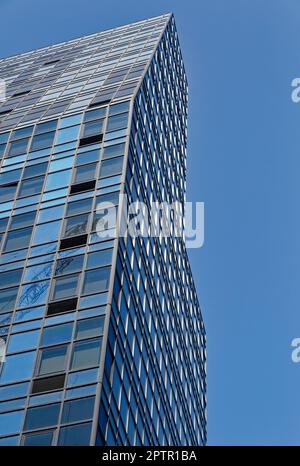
<point>103,335</point>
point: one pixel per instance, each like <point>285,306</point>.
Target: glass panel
<point>35,170</point>
<point>92,128</point>
<point>7,193</point>
<point>78,410</point>
<point>45,127</point>
<point>23,341</point>
<point>85,173</point>
<point>99,259</point>
<point>42,439</point>
<point>34,294</point>
<point>58,180</point>
<point>38,272</point>
<point>69,265</point>
<point>10,278</point>
<point>51,214</point>
<point>46,233</point>
<point>90,328</point>
<point>18,367</point>
<point>53,360</point>
<point>86,354</point>
<point>76,225</point>
<point>75,435</point>
<point>22,221</point>
<point>111,167</point>
<point>17,239</point>
<point>42,417</point>
<point>11,423</point>
<point>18,147</point>
<point>31,187</point>
<point>57,334</point>
<point>96,281</point>
<point>117,122</point>
<point>42,141</point>
<point>113,151</point>
<point>68,134</point>
<point>65,287</point>
<point>8,299</point>
<point>79,207</point>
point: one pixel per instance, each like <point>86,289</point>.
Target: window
<point>111,167</point>
<point>17,239</point>
<point>113,151</point>
<point>117,122</point>
<point>10,177</point>
<point>86,157</point>
<point>41,439</point>
<point>47,384</point>
<point>65,287</point>
<point>46,127</point>
<point>23,341</point>
<point>67,135</point>
<point>85,173</point>
<point>52,213</point>
<point>8,299</point>
<point>22,133</point>
<point>31,187</point>
<point>3,223</point>
<point>7,193</point>
<point>56,335</point>
<point>43,416</point>
<point>75,435</point>
<point>92,128</point>
<point>35,170</point>
<point>69,265</point>
<point>42,141</point>
<point>11,423</point>
<point>79,207</point>
<point>82,187</point>
<point>10,278</point>
<point>18,147</point>
<point>96,281</point>
<point>22,221</point>
<point>86,354</point>
<point>95,114</point>
<point>76,225</point>
<point>89,328</point>
<point>34,294</point>
<point>38,272</point>
<point>73,242</point>
<point>52,360</point>
<point>58,180</point>
<point>18,367</point>
<point>66,305</point>
<point>46,232</point>
<point>99,259</point>
<point>78,410</point>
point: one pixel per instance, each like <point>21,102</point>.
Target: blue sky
<point>244,163</point>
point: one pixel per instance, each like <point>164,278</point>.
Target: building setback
<point>105,342</point>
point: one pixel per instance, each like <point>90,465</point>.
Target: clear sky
<point>244,163</point>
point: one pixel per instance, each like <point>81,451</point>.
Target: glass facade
<point>104,334</point>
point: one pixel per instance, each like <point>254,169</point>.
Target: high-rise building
<point>103,335</point>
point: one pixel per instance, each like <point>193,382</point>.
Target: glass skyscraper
<point>103,334</point>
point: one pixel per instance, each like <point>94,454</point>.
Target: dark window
<point>76,225</point>
<point>82,187</point>
<point>73,242</point>
<point>17,239</point>
<point>42,417</point>
<point>59,307</point>
<point>91,140</point>
<point>48,384</point>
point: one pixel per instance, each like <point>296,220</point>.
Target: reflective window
<point>85,173</point>
<point>35,170</point>
<point>68,134</point>
<point>78,410</point>
<point>46,233</point>
<point>58,334</point>
<point>41,439</point>
<point>86,354</point>
<point>18,147</point>
<point>69,265</point>
<point>18,367</point>
<point>38,272</point>
<point>89,328</point>
<point>52,360</point>
<point>10,278</point>
<point>11,423</point>
<point>23,341</point>
<point>79,207</point>
<point>42,141</point>
<point>22,221</point>
<point>46,127</point>
<point>65,287</point>
<point>96,281</point>
<point>111,167</point>
<point>117,122</point>
<point>76,225</point>
<point>17,239</point>
<point>99,258</point>
<point>92,128</point>
<point>31,187</point>
<point>58,180</point>
<point>75,435</point>
<point>7,193</point>
<point>51,214</point>
<point>113,151</point>
<point>8,299</point>
<point>43,416</point>
<point>34,294</point>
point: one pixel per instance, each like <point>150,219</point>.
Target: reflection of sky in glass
<point>35,293</point>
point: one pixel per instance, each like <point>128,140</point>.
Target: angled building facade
<point>103,335</point>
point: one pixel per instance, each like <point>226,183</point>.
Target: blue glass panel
<point>42,417</point>
<point>14,391</point>
<point>17,368</point>
<point>67,134</point>
<point>58,180</point>
<point>23,341</point>
<point>78,435</point>
<point>78,410</point>
<point>40,439</point>
<point>28,314</point>
<point>47,398</point>
<point>9,441</point>
<point>34,294</point>
<point>38,272</point>
<point>57,334</point>
<point>46,233</point>
<point>83,377</point>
